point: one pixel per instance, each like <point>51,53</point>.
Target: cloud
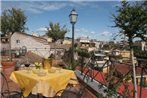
<point>52,6</point>
<point>106,33</point>
<point>33,6</point>
<point>84,3</point>
<point>93,32</point>
<point>41,6</point>
<point>42,29</point>
<point>83,32</point>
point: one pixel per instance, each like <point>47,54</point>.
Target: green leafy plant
<point>83,52</point>
<point>141,54</point>
<point>38,65</point>
<point>99,95</point>
<point>55,31</point>
<point>132,22</point>
<point>12,20</point>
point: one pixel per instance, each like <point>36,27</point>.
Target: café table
<point>47,85</point>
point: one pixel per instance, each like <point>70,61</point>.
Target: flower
<point>38,65</point>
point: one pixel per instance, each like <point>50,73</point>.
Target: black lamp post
<point>73,18</point>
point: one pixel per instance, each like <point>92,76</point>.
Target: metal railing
<point>92,65</point>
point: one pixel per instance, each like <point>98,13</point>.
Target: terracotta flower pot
<point>8,67</point>
<point>8,64</point>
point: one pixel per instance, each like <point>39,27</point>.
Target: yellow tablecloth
<point>47,85</point>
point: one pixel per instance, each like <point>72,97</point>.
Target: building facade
<point>35,44</point>
<point>86,43</point>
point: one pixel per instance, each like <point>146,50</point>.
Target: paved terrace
<point>14,87</point>
<point>92,88</point>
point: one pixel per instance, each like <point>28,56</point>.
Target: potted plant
<point>141,58</point>
<point>8,67</point>
<point>141,55</point>
<point>8,64</point>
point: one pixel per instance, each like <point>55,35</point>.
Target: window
<point>4,40</point>
<point>18,41</point>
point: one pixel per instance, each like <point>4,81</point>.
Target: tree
<point>66,57</point>
<point>83,54</point>
<point>55,31</point>
<point>131,18</point>
<point>12,20</point>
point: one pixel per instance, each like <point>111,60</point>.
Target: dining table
<point>46,82</point>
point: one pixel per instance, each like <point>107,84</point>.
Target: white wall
<point>97,45</point>
<point>30,43</point>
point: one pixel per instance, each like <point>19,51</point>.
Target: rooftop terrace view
<point>73,49</point>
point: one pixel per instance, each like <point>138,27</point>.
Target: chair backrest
<point>67,94</point>
<point>5,91</point>
<point>4,84</point>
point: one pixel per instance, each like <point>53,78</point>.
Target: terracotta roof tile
<point>100,77</point>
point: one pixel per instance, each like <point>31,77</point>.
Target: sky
<point>94,17</point>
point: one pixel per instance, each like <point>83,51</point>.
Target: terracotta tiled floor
<point>14,87</point>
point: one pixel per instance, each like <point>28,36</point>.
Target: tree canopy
<point>13,20</point>
<point>83,52</point>
<point>131,18</point>
<point>55,31</point>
